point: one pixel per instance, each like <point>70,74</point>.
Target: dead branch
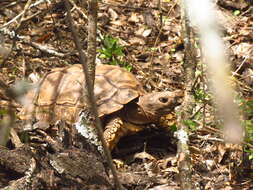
<point>92,35</point>
<point>90,96</point>
<point>184,164</point>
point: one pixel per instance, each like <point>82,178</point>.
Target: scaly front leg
<point>116,128</point>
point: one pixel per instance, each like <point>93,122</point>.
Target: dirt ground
<point>153,47</point>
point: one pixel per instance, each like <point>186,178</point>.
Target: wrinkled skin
<point>150,107</point>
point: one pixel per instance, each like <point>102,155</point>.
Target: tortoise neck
<point>133,113</point>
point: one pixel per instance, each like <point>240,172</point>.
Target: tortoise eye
<point>163,100</point>
<point>139,110</point>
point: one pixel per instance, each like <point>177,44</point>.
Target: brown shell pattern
<point>60,93</point>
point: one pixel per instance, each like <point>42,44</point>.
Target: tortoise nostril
<point>163,100</point>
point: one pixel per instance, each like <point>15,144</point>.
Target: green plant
<point>192,125</point>
<point>248,126</point>
<point>2,112</point>
<point>113,52</point>
<point>173,128</point>
<point>201,95</point>
<point>246,107</point>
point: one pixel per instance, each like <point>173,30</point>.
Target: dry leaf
<point>134,18</point>
<point>146,33</point>
<point>136,41</point>
<point>113,14</point>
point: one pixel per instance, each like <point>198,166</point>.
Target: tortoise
<point>123,105</point>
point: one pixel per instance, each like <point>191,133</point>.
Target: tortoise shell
<point>60,95</point>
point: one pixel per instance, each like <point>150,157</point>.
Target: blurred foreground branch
<point>202,15</point>
<point>8,118</point>
<point>10,95</point>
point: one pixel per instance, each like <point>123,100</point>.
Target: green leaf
<point>192,125</point>
<point>118,52</point>
<point>173,128</point>
<point>113,52</point>
<point>236,12</point>
<point>3,112</point>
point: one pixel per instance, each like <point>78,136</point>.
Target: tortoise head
<point>150,107</point>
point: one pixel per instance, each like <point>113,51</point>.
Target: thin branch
<point>26,8</point>
<point>78,9</point>
<point>90,96</point>
<point>184,163</point>
<point>92,38</point>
